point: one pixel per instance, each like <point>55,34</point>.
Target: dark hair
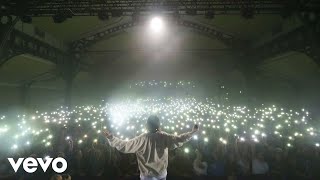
<point>153,124</point>
<point>55,177</point>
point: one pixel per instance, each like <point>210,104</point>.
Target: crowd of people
<point>233,142</point>
<point>237,160</point>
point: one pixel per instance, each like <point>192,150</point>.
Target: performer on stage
<point>151,148</point>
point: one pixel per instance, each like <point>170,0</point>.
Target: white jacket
<point>151,150</point>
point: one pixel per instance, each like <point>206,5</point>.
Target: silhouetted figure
<point>151,148</point>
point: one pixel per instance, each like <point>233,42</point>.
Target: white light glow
<point>195,137</point>
<point>156,25</point>
<point>128,117</point>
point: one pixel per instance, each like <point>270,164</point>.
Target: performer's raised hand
<point>108,134</point>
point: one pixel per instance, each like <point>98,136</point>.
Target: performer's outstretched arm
<point>135,144</point>
<point>177,141</point>
<point>130,146</point>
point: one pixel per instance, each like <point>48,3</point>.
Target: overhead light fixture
<point>6,20</point>
<point>26,19</point>
<point>3,7</point>
<point>156,24</point>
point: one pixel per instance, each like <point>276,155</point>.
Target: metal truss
<point>128,7</point>
<point>7,56</point>
<point>82,44</point>
<point>20,43</point>
<point>227,38</point>
<point>304,39</point>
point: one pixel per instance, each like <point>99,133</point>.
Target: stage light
<point>3,7</point>
<point>156,24</point>
<point>5,20</point>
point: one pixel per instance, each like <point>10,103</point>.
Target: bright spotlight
<point>156,24</point>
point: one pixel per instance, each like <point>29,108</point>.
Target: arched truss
<point>21,43</point>
<point>7,56</point>
<point>304,39</point>
<point>227,38</point>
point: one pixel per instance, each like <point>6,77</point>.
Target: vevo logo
<point>30,164</point>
